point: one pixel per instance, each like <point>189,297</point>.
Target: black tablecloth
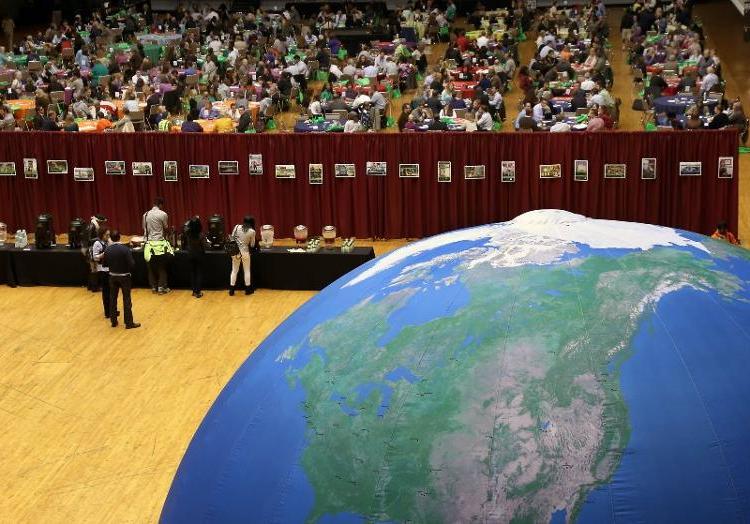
<point>274,268</point>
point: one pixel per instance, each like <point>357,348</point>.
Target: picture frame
<point>691,168</point>
<point>7,169</point>
<point>255,165</point>
<point>508,171</point>
<point>444,171</point>
<point>83,174</point>
<point>199,171</point>
<point>344,171</point>
<point>229,167</point>
<point>581,170</point>
<point>550,170</point>
<point>315,174</point>
<point>408,170</point>
<point>616,171</point>
<point>57,167</point>
<point>142,168</point>
<point>648,169</point>
<point>376,168</point>
<point>30,168</point>
<point>285,171</point>
<point>474,172</point>
<point>726,167</point>
<point>114,167</point>
<point>170,171</point>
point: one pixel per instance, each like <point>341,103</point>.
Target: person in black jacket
<point>195,245</point>
<point>119,259</point>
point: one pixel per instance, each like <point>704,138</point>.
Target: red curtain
<point>372,206</point>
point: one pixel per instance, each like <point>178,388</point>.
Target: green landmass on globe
<point>507,408</point>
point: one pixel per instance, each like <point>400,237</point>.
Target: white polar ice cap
<point>544,224</point>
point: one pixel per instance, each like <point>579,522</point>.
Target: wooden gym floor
<point>95,420</point>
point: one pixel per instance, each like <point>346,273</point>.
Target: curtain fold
<point>374,206</point>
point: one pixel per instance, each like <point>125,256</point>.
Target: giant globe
<point>552,368</point>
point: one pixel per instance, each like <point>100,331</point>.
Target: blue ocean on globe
<point>550,369</point>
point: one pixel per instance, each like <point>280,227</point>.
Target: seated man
<point>484,119</point>
<point>190,126</point>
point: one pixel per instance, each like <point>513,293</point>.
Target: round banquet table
<point>561,104</point>
<point>467,88</point>
<point>678,104</point>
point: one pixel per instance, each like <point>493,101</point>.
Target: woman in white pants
<point>244,235</point>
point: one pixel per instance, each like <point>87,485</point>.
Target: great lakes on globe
<point>552,368</point>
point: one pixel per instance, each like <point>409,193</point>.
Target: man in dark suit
<point>119,258</point>
<point>720,119</point>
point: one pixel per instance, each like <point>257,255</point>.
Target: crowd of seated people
<point>566,85</point>
<point>679,78</point>
<point>124,68</point>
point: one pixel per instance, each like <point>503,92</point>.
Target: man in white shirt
<point>482,41</point>
<point>559,126</point>
<point>546,50</point>
<point>335,71</point>
<point>484,120</point>
<point>380,61</point>
<point>710,80</point>
<point>391,68</point>
<point>315,108</point>
<point>351,125</point>
<point>370,71</point>
<point>495,98</point>
<point>378,100</point>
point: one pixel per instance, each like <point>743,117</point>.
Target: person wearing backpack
<point>243,237</point>
<point>97,254</point>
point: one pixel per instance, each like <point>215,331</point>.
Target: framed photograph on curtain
<point>691,168</point>
<point>508,171</point>
<point>344,171</point>
<point>229,167</point>
<point>581,170</point>
<point>648,169</point>
<point>408,170</point>
<point>30,168</point>
<point>255,165</point>
<point>474,172</point>
<point>83,174</point>
<point>7,169</point>
<point>285,171</point>
<point>726,167</point>
<point>57,167</point>
<point>615,170</point>
<point>550,171</point>
<point>376,168</point>
<point>315,174</point>
<point>444,171</point>
<point>142,169</point>
<point>114,167</point>
<point>170,171</point>
<point>199,171</point>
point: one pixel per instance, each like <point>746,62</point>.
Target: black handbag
<point>230,246</point>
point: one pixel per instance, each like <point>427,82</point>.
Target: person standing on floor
<point>244,235</point>
<point>102,272</point>
<point>96,225</point>
<point>157,249</point>
<point>119,259</point>
<point>196,249</point>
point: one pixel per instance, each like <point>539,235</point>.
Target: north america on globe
<point>552,368</point>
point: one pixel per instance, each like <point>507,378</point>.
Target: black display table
<point>274,268</point>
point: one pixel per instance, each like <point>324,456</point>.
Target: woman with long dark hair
<point>244,235</point>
